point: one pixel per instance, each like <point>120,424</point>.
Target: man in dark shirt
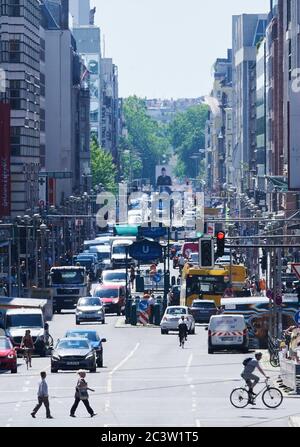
<point>164,179</point>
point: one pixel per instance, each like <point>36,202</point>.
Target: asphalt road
<point>147,380</point>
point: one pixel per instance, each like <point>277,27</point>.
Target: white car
<point>227,332</point>
<point>172,318</point>
<point>90,309</point>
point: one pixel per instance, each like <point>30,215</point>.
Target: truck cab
<point>68,285</point>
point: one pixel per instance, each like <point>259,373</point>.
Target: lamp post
<point>43,230</point>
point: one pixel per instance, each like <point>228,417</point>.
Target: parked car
<point>202,310</point>
<point>17,321</point>
<point>90,309</point>
<point>112,297</point>
<point>172,317</point>
<point>8,355</point>
<point>73,354</point>
<point>93,338</point>
<point>227,332</point>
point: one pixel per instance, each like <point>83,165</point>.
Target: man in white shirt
<point>43,397</point>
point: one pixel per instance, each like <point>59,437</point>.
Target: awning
<point>279,182</point>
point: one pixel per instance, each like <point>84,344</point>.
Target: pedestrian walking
<point>82,395</point>
<point>43,397</point>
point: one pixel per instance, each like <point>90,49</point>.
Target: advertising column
<point>5,201</point>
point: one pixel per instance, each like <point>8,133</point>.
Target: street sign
<point>145,251</point>
<point>296,270</point>
<point>143,306</point>
<point>297,317</point>
<point>153,233</point>
<point>157,278</point>
<point>210,229</point>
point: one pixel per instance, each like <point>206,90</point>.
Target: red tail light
<point>209,333</point>
<point>245,331</point>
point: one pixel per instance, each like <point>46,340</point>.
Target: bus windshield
<point>209,284</point>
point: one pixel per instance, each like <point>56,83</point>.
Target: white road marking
<point>188,366</point>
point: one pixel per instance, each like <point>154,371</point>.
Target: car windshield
<point>5,344</point>
<point>65,277</point>
<point>107,293</point>
<point>194,257</point>
<point>73,344</point>
<point>114,277</point>
<point>204,305</point>
<point>177,311</point>
<point>89,302</point>
<point>90,335</point>
<point>25,321</point>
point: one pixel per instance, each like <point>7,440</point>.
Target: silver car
<point>90,309</point>
<point>173,315</point>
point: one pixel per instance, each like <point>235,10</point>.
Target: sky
<point>166,48</point>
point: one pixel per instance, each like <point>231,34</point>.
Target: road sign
<point>210,229</point>
<point>145,251</point>
<point>143,305</point>
<point>297,317</point>
<point>157,278</point>
<point>153,233</point>
<point>296,270</point>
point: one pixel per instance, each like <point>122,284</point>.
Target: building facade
<point>20,66</point>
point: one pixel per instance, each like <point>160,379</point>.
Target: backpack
<point>246,361</point>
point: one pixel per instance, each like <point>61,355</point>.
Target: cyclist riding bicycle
<point>27,344</point>
<point>250,378</point>
<point>183,330</point>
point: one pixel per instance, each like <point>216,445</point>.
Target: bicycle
<point>26,356</point>
<point>182,340</point>
<point>271,397</point>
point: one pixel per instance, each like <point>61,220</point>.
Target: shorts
<point>248,377</point>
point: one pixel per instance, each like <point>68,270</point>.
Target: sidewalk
<point>294,421</point>
<point>120,324</point>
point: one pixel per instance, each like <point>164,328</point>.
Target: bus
<point>211,284</point>
<point>258,316</point>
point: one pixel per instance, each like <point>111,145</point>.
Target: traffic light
<point>264,261</point>
<point>220,244</point>
<point>206,253</point>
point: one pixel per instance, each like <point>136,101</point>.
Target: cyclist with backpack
<point>183,331</point>
<point>251,379</point>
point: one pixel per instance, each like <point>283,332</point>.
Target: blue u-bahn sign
<point>153,233</point>
<point>145,251</point>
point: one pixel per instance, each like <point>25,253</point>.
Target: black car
<point>202,310</point>
<point>73,354</point>
<point>93,338</point>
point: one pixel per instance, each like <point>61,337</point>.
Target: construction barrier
<point>290,374</point>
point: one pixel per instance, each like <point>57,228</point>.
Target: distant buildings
<point>165,110</point>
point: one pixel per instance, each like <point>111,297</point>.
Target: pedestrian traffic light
<point>206,253</point>
<point>264,261</point>
<point>220,244</point>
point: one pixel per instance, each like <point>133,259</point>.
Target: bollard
<point>157,318</point>
<point>140,284</point>
<point>128,311</point>
<point>133,316</point>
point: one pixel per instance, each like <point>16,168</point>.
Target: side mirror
<point>206,328</point>
<point>103,340</point>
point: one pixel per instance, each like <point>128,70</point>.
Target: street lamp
<point>43,230</point>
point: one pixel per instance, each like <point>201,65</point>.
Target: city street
<point>147,380</point>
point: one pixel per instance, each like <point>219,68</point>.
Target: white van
<point>227,332</point>
<point>118,253</point>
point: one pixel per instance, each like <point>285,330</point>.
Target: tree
<point>187,136</point>
<point>147,140</point>
<point>103,168</point>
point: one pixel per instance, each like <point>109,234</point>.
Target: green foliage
<point>187,136</point>
<point>147,141</point>
<point>103,168</point>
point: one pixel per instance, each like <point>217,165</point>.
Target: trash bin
<point>157,318</point>
<point>133,316</point>
<point>140,284</point>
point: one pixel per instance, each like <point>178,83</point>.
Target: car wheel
<point>58,311</point>
<point>210,351</point>
<point>119,313</point>
<point>54,370</point>
<point>42,353</point>
<point>103,321</point>
<point>14,371</point>
<point>78,322</point>
<point>94,369</point>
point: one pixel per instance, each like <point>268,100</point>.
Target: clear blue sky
<point>166,48</point>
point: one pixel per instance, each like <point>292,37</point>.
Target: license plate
<point>227,339</point>
<point>73,363</point>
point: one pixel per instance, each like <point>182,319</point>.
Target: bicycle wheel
<point>274,360</point>
<point>239,398</point>
<point>272,397</point>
